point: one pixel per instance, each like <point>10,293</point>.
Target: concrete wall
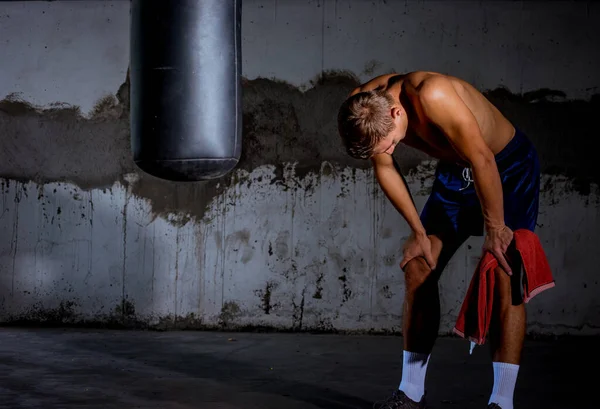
<point>299,236</point>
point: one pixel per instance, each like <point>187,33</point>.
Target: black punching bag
<point>185,78</point>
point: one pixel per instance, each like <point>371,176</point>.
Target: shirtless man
<point>487,181</point>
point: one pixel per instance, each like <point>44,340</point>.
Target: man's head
<point>371,123</point>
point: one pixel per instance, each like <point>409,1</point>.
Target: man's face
<point>389,143</point>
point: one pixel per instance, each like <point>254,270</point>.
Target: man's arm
<point>393,185</point>
<point>444,107</point>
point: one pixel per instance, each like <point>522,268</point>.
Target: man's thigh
<point>440,222</point>
<point>444,247</point>
<point>441,217</point>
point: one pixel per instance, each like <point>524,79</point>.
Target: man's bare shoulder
<point>427,83</point>
<point>380,82</point>
<point>431,85</point>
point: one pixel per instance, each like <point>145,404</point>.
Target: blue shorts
<point>454,207</point>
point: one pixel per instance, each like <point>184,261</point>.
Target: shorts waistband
<point>517,150</point>
<point>518,141</point>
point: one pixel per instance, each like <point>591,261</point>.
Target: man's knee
<point>502,280</point>
<point>509,288</point>
<point>417,273</point>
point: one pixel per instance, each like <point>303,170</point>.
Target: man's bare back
<point>422,134</point>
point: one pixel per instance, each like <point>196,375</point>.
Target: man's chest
<point>430,140</point>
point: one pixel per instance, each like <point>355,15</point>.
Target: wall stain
<point>281,125</point>
<point>291,273</point>
<point>324,324</point>
<point>176,322</point>
<point>371,66</point>
<point>281,245</point>
<point>125,309</point>
<point>346,291</point>
<point>240,241</point>
<point>389,260</point>
<point>298,312</point>
<point>66,314</point>
<point>386,292</point>
<point>265,297</point>
<point>319,287</point>
<point>123,316</point>
<point>229,313</point>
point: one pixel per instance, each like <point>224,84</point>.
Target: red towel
<point>476,311</point>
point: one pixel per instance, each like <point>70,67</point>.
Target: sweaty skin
<point>450,120</point>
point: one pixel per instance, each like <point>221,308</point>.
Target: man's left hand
<point>496,242</point>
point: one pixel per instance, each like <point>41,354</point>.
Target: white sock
<point>505,378</point>
<point>414,368</point>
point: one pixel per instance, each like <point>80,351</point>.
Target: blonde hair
<point>363,120</point>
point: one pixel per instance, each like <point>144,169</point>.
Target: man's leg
<point>520,171</point>
<point>507,332</point>
<point>421,309</point>
<point>421,315</point>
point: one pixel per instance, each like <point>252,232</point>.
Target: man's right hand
<point>417,245</point>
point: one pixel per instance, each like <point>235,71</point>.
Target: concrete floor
<point>65,368</point>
